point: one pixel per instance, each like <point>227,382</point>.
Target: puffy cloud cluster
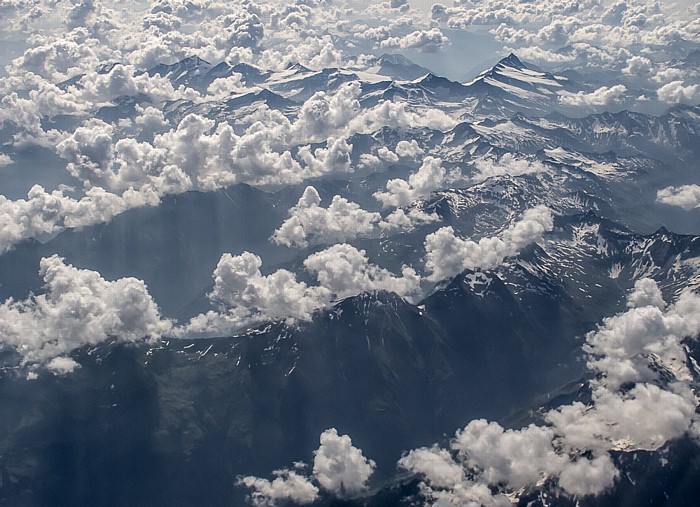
<point>43,213</point>
<point>603,96</point>
<point>405,220</point>
<point>240,286</point>
<point>310,223</point>
<point>448,255</point>
<point>508,164</point>
<point>685,196</point>
<point>408,149</point>
<point>346,271</point>
<point>641,348</point>
<point>677,91</point>
<point>245,295</point>
<point>339,468</point>
<point>197,153</point>
<point>429,177</point>
<point>621,348</point>
<point>428,41</point>
<point>78,308</point>
<point>287,486</point>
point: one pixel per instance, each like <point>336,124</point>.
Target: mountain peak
<point>395,59</point>
<point>511,61</point>
<point>297,67</point>
<point>193,61</point>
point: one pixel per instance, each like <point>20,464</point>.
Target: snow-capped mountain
<point>239,257</point>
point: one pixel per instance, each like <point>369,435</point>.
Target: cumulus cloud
<point>199,153</point>
<point>677,91</point>
<point>684,196</point>
<point>408,149</point>
<point>5,159</point>
<point>429,177</point>
<point>245,295</point>
<point>287,486</point>
<point>638,66</point>
<point>620,348</point>
<point>78,308</point>
<point>308,222</point>
<point>43,213</point>
<point>240,286</point>
<point>448,255</point>
<point>603,96</point>
<point>346,271</point>
<point>428,41</point>
<point>507,456</point>
<point>507,164</point>
<point>339,468</point>
<point>401,220</point>
<point>62,365</point>
<point>646,293</point>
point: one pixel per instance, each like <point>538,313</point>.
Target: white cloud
<point>333,159</point>
<point>346,271</point>
<point>401,220</point>
<point>448,255</point>
<point>429,177</point>
<point>88,151</point>
<point>246,296</point>
<point>42,212</point>
<point>224,86</point>
<point>676,91</point>
<point>309,223</point>
<point>588,477</point>
<point>62,365</point>
<point>666,75</point>
<point>24,218</point>
<point>79,307</point>
<point>621,347</point>
<point>646,293</point>
<point>339,467</point>
<point>507,164</point>
<point>638,66</point>
<point>249,295</point>
<point>100,88</point>
<point>387,155</point>
<point>5,159</point>
<point>685,196</point>
<point>61,58</point>
<point>517,458</point>
<point>408,149</point>
<point>287,486</point>
<point>436,464</point>
<point>428,41</point>
<point>603,96</point>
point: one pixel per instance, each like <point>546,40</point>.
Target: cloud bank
<point>447,255</point>
<point>78,308</point>
<point>339,469</point>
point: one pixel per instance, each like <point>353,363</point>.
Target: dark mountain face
<point>175,421</point>
<point>196,414</point>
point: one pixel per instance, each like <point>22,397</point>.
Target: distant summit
<point>512,61</point>
<point>399,67</point>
